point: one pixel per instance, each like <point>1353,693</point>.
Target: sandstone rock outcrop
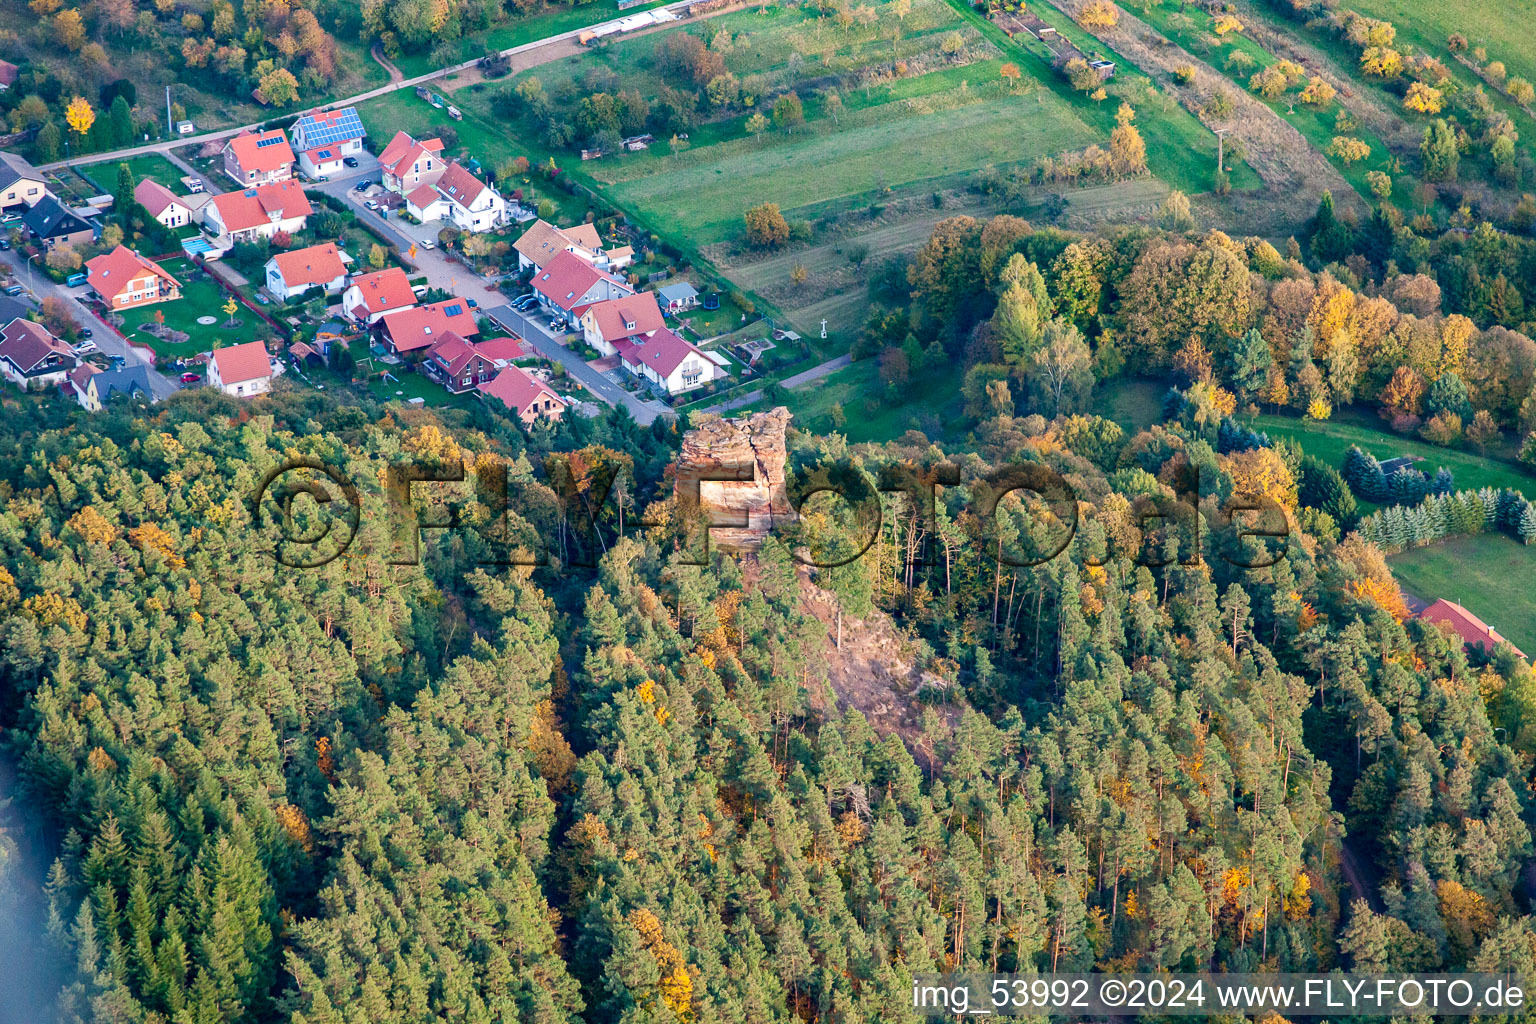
<point>737,466</point>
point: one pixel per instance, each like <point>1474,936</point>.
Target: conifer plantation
<point>619,787</point>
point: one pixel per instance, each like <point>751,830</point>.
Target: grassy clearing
<point>152,166</point>
<point>931,405</point>
<point>1133,402</point>
<point>1329,440</point>
<point>1489,575</point>
<point>200,296</point>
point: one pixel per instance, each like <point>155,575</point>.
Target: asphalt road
<point>39,285</point>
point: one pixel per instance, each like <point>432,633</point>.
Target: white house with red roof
<point>419,328</point>
<point>32,357</point>
<point>241,370</point>
<point>407,163</point>
<point>291,274</point>
<point>543,241</point>
<point>258,158</point>
<point>569,284</point>
<point>369,296</point>
<point>607,323</point>
<point>325,138</point>
<point>473,205</point>
<point>667,361</point>
<point>123,279</point>
<point>458,364</point>
<point>261,212</point>
<point>527,397</point>
<point>162,204</point>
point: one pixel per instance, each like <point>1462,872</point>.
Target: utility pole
<point>1221,149</point>
<point>170,126</point>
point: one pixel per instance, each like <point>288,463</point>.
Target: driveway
<point>598,385</point>
<point>816,372</point>
<point>39,285</point>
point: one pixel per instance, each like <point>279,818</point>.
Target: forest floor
<point>873,672</point>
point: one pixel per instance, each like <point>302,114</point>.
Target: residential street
<point>39,285</point>
<point>561,45</point>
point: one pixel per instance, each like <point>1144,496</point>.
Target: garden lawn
<point>1329,440</point>
<point>153,166</point>
<point>201,297</point>
<point>1490,575</point>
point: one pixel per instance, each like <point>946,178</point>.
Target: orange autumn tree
<point>1382,594</point>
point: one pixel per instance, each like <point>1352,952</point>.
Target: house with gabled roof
<point>458,364</point>
<point>421,327</point>
<point>291,274</point>
<point>543,241</point>
<point>473,205</point>
<point>31,356</point>
<point>407,163</point>
<point>569,284</point>
<point>162,204</point>
<point>260,212</point>
<point>1471,630</point>
<point>21,184</point>
<point>369,296</point>
<point>94,388</point>
<point>123,279</point>
<point>241,370</point>
<point>324,138</point>
<point>524,395</point>
<point>668,361</point>
<point>53,224</point>
<point>258,158</point>
<point>606,323</point>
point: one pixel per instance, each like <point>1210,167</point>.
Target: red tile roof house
<point>473,205</point>
<point>458,365</point>
<point>370,296</point>
<point>569,284</point>
<point>161,203</point>
<point>291,274</point>
<point>669,361</point>
<point>8,74</point>
<point>414,330</point>
<point>258,158</point>
<point>123,279</point>
<point>32,357</point>
<point>607,323</point>
<point>525,396</point>
<point>406,163</point>
<point>1474,632</point>
<point>241,370</point>
<point>261,212</point>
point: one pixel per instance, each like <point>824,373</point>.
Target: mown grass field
<point>198,298</point>
<point>152,166</point>
<point>930,403</point>
<point>704,192</point>
<point>1489,575</point>
<point>1329,440</point>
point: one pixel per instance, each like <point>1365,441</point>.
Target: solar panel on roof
<point>264,143</point>
<point>340,126</point>
<point>453,310</point>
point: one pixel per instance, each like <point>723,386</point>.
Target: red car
<point>190,378</point>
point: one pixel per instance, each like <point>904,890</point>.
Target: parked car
<point>371,205</point>
<point>473,304</point>
<point>362,186</point>
<point>194,185</point>
<point>5,244</point>
<point>85,332</point>
<point>190,378</point>
<point>76,280</point>
<point>428,244</point>
<point>350,161</point>
<point>85,348</point>
<point>453,112</point>
<point>14,290</point>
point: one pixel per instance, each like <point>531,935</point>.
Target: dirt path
<point>1295,175</point>
<point>377,53</point>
